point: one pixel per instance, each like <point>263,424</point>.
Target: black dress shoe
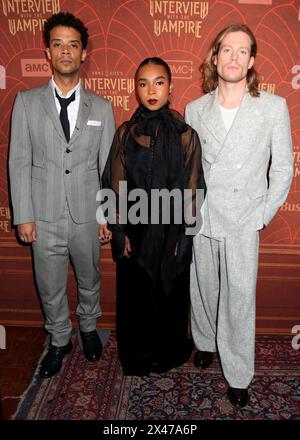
<point>203,359</point>
<point>238,397</point>
<point>52,362</point>
<point>92,345</point>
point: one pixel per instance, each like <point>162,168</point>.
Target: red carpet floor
<point>18,361</point>
<point>99,391</point>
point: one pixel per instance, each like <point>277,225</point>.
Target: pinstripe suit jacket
<point>40,156</point>
<point>240,196</point>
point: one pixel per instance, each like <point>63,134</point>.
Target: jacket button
<point>68,150</point>
<point>68,171</point>
<point>235,190</point>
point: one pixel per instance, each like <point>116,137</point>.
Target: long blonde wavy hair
<point>209,70</point>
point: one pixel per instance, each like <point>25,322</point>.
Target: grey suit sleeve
<point>20,161</point>
<point>107,137</point>
<point>187,115</point>
<point>281,170</point>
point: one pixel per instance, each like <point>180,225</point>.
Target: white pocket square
<point>94,123</point>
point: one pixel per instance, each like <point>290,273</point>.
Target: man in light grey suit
<point>240,129</point>
<point>60,139</point>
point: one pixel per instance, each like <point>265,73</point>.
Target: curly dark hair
<point>209,70</point>
<point>65,19</point>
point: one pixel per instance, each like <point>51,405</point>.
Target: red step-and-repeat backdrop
<point>122,34</point>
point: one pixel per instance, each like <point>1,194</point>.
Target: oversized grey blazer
<point>40,156</point>
<point>239,196</point>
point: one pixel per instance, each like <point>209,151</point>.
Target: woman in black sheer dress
<point>155,150</point>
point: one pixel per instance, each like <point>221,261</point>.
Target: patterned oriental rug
<point>99,391</point>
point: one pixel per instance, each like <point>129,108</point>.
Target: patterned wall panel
<point>124,32</point>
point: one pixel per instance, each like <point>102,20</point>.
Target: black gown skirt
<point>152,327</point>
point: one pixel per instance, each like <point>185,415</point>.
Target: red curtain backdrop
<point>122,34</point>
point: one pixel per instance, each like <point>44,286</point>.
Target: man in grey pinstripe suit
<point>60,139</point>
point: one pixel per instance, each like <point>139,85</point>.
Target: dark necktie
<point>63,116</point>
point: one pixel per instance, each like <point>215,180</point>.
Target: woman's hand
<point>176,249</point>
<point>127,249</point>
<point>104,233</point>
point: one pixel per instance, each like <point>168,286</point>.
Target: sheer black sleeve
<point>113,174</point>
<point>193,181</point>
<point>193,172</point>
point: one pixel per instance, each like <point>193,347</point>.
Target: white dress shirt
<point>73,107</point>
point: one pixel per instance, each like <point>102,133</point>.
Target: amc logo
<point>181,69</point>
<point>35,67</point>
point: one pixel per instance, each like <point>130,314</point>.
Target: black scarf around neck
<point>165,171</point>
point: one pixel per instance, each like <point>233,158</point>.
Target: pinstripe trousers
<point>56,243</point>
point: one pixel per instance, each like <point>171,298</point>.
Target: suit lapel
<point>82,117</point>
<point>245,115</point>
<point>48,102</point>
<point>243,126</point>
<point>212,118</point>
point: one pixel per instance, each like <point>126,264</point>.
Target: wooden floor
<point>18,362</point>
